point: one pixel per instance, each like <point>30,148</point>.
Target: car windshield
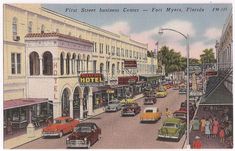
<point>170,125</point>
<point>149,111</point>
<point>179,115</point>
<point>83,129</point>
<point>59,121</point>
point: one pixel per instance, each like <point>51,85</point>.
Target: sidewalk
<point>23,139</point>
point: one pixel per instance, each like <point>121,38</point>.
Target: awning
<point>10,104</point>
<point>221,96</point>
<point>150,77</point>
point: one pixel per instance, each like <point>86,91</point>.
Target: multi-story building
<point>45,52</point>
<point>224,51</point>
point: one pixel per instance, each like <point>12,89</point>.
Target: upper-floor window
<point>14,26</point>
<point>122,52</point>
<point>30,26</point>
<point>15,63</point>
<point>101,48</point>
<point>95,47</point>
<point>113,50</point>
<point>130,53</point>
<point>42,28</point>
<point>118,52</point>
<point>107,49</point>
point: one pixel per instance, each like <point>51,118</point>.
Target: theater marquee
<point>91,79</point>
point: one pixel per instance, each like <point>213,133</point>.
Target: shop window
<point>15,114</point>
<point>47,63</point>
<point>87,63</point>
<point>101,68</point>
<point>15,63</point>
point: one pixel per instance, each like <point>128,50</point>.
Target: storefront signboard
<point>130,64</point>
<point>110,91</point>
<point>127,80</point>
<point>91,79</point>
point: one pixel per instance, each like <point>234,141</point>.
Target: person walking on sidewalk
<point>207,128</point>
<point>203,124</point>
<point>215,128</point>
<point>197,143</point>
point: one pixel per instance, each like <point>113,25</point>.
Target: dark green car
<point>172,128</point>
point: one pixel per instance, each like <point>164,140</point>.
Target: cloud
<point>212,33</point>
<point>173,40</point>
<point>120,27</point>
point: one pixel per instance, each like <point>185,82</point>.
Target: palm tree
<point>208,56</point>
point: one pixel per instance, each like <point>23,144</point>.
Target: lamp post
<point>187,49</point>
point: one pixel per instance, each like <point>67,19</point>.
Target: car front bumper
<point>148,120</point>
<point>127,113</point>
<point>167,136</point>
<point>50,134</point>
<point>76,143</point>
<point>110,109</point>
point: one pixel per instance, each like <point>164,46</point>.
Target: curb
<point>80,120</point>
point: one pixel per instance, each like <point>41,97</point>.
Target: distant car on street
<point>130,109</point>
<point>150,100</point>
<point>182,91</point>
<point>61,126</point>
<point>150,114</point>
<point>172,128</point>
<point>127,101</point>
<point>83,136</point>
<point>113,105</point>
<point>161,92</point>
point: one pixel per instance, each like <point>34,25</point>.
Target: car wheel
<point>89,145</point>
<point>61,134</point>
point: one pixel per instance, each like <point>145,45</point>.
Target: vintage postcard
<point>118,76</point>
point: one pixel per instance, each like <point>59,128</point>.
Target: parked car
<point>180,114</point>
<point>175,87</point>
<point>182,91</point>
<point>150,114</point>
<point>192,108</point>
<point>84,135</point>
<point>127,101</point>
<point>150,100</point>
<point>61,126</point>
<point>130,109</point>
<point>172,128</point>
<point>113,105</point>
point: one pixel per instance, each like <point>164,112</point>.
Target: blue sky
<point>203,27</point>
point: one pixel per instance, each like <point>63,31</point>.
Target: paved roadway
<point>124,132</point>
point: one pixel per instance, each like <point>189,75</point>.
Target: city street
<point>124,132</point>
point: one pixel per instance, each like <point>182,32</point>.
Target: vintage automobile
<point>180,114</point>
<point>150,114</point>
<point>172,128</point>
<point>161,93</point>
<point>192,108</point>
<point>127,101</point>
<point>167,86</point>
<point>113,105</point>
<point>61,126</point>
<point>84,135</point>
<point>130,109</point>
<point>150,100</point>
<point>182,91</point>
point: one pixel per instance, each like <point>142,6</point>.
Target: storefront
<point>129,87</point>
<point>151,80</point>
<point>100,96</point>
<point>20,112</point>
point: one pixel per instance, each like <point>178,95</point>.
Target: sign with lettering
<point>91,79</point>
<point>211,73</point>
<point>130,64</point>
<point>127,80</point>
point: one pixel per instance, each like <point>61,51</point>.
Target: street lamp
<point>187,49</point>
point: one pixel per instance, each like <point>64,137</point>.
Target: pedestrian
<point>207,128</point>
<point>197,143</point>
<point>203,124</point>
<point>168,113</point>
<point>215,128</point>
<point>221,135</point>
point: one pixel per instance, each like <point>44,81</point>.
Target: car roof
<point>180,111</point>
<point>63,118</point>
<point>86,124</point>
<point>172,120</point>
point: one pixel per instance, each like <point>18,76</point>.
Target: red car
<point>181,114</point>
<point>61,126</point>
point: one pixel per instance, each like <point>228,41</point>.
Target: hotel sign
<point>91,79</point>
<point>130,64</point>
